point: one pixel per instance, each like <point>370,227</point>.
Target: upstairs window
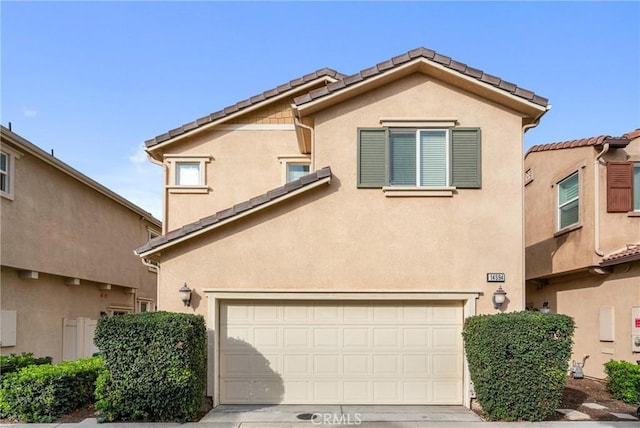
<point>7,170</point>
<point>4,172</point>
<point>187,173</point>
<point>636,187</point>
<point>419,157</point>
<point>569,201</point>
<point>296,170</point>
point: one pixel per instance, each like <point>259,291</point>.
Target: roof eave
<point>160,248</point>
<point>438,71</point>
<point>621,260</point>
<point>152,149</point>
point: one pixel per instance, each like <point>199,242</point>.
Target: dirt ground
<point>580,391</point>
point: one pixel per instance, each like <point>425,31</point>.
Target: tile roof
<point>632,135</point>
<point>629,254</point>
<point>236,210</point>
<point>323,72</point>
<point>583,142</point>
<point>431,56</point>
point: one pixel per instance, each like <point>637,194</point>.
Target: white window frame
<point>11,155</point>
<point>560,206</point>
<point>175,160</point>
<point>288,160</point>
<point>148,302</point>
<point>418,165</point>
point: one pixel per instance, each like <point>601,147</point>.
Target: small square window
<point>188,174</point>
<point>296,170</point>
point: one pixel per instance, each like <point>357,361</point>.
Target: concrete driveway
<point>323,415</point>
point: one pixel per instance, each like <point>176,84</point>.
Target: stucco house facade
<point>66,253</point>
<point>335,231</point>
<point>582,200</point>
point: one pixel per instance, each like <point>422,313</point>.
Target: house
<point>66,254</point>
<point>336,230</point>
<point>582,204</point>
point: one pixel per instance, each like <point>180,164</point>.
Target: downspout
<point>596,200</point>
<point>298,123</point>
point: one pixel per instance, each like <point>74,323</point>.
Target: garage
<point>328,352</point>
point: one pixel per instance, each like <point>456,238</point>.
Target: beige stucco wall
<point>582,298</point>
<point>343,238</point>
<point>42,304</point>
<point>548,254</point>
<point>62,229</point>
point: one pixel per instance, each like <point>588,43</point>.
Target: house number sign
<point>495,277</point>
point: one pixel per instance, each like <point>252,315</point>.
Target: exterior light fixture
<point>185,295</point>
<point>499,297</point>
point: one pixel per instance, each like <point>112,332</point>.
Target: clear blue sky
<point>94,80</point>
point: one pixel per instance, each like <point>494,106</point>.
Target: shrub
<point>623,381</point>
<point>156,365</point>
<point>43,393</point>
<point>518,362</point>
<point>13,362</point>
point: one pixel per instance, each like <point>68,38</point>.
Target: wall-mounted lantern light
<point>499,297</point>
<point>185,295</point>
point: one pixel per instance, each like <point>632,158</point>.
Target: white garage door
<point>332,352</point>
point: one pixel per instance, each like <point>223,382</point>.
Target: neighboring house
<point>335,231</point>
<point>582,202</point>
<point>66,253</point>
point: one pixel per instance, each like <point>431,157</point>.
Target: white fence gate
<point>77,338</point>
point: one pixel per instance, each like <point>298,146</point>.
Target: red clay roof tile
<point>631,253</point>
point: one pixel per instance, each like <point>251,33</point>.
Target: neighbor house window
<point>7,167</point>
<point>419,158</point>
<point>188,173</point>
<point>568,201</point>
<point>145,305</point>
<point>4,172</point>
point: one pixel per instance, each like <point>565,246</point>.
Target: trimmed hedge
<point>623,381</point>
<point>518,362</point>
<point>44,393</point>
<point>156,367</point>
<point>12,362</point>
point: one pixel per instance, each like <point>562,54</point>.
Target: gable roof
<point>431,56</point>
<point>617,142</point>
<point>629,254</point>
<point>237,211</point>
<point>243,105</point>
<point>23,144</point>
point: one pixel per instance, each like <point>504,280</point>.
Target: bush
<point>518,362</point>
<point>43,393</point>
<point>623,381</point>
<point>156,365</point>
<point>14,362</point>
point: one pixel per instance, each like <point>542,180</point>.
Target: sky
<point>93,80</point>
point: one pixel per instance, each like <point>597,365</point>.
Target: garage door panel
<point>334,352</point>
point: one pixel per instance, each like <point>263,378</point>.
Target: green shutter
<point>402,147</point>
<point>372,157</point>
<point>466,158</point>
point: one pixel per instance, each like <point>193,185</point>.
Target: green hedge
<point>12,362</point>
<point>623,381</point>
<point>44,393</point>
<point>156,367</point>
<point>518,362</point>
